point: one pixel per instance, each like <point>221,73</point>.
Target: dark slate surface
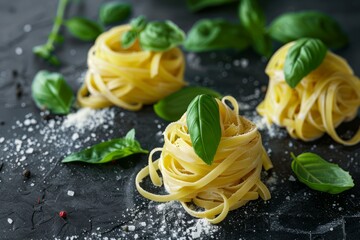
<point>106,203</point>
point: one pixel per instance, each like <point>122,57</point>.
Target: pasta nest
<point>129,78</point>
<point>323,99</point>
<point>228,183</point>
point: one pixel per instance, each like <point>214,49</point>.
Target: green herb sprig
<point>319,174</point>
<point>196,5</point>
<point>153,36</point>
<point>51,92</point>
<point>80,28</point>
<point>46,51</point>
<point>108,151</point>
<point>303,57</point>
<point>203,122</point>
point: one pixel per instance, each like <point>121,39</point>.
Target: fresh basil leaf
<point>161,36</point>
<point>108,151</point>
<point>50,91</point>
<point>203,122</point>
<point>321,175</point>
<point>303,57</point>
<point>292,26</point>
<point>138,24</point>
<point>172,107</point>
<point>113,12</point>
<point>196,5</point>
<point>253,19</point>
<point>83,28</point>
<point>128,39</point>
<point>215,34</point>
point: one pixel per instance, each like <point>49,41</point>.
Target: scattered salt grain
<point>75,136</point>
<point>2,139</point>
<point>70,193</point>
<point>131,228</point>
<point>10,221</point>
<point>292,178</point>
<point>27,28</point>
<point>29,150</point>
<point>18,51</point>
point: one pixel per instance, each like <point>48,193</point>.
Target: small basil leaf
<point>50,91</point>
<point>203,122</point>
<point>161,36</point>
<point>303,57</point>
<point>253,19</point>
<point>108,151</point>
<point>113,12</point>
<point>128,39</point>
<point>321,175</point>
<point>172,107</point>
<point>312,24</point>
<point>138,24</point>
<point>83,29</point>
<point>215,34</point>
<point>196,5</point>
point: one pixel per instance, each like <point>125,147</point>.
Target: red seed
<point>62,214</point>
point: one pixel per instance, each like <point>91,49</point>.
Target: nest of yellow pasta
<point>129,78</point>
<point>323,99</point>
<point>228,183</point>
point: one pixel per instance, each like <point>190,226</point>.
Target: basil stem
<point>46,51</point>
<point>50,91</point>
<point>108,151</point>
<point>303,57</point>
<point>172,107</point>
<point>319,174</point>
<point>203,122</point>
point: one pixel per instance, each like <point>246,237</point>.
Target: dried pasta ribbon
<point>323,99</point>
<point>228,183</point>
<point>129,78</point>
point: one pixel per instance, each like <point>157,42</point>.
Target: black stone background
<point>98,209</point>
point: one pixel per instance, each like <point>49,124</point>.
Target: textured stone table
<point>101,201</point>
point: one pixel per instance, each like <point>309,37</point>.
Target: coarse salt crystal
<point>75,136</point>
<point>2,139</point>
<point>70,193</point>
<point>131,228</point>
<point>29,150</point>
<point>10,221</point>
<point>291,178</point>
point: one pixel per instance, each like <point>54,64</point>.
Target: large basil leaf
<point>292,26</point>
<point>303,57</point>
<point>253,19</point>
<point>83,29</point>
<point>108,151</point>
<point>161,36</point>
<point>172,107</point>
<point>196,5</point>
<point>50,91</point>
<point>215,34</point>
<point>113,12</point>
<point>321,175</point>
<point>203,122</point>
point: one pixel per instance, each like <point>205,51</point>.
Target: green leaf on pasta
<point>203,122</point>
<point>303,57</point>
